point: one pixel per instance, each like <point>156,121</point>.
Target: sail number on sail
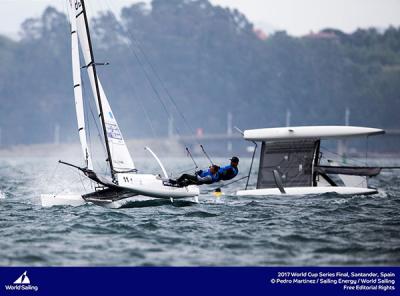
<point>113,131</point>
<point>78,4</point>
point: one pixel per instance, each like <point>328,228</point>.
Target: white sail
<point>76,73</point>
<point>121,159</point>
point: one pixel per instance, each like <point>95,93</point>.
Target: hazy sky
<point>298,17</point>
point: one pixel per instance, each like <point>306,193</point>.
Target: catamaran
<point>290,162</point>
<point>124,184</point>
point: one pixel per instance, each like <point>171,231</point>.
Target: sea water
<point>323,229</point>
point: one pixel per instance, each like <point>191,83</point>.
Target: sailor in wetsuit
<point>212,175</point>
<point>199,178</point>
<point>230,171</point>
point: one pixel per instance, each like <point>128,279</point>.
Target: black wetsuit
<point>200,178</point>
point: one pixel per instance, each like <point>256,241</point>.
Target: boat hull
<point>293,191</point>
<point>153,186</point>
<point>75,200</point>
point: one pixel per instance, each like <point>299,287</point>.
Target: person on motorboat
<point>200,177</point>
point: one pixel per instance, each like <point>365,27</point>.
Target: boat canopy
<point>292,161</point>
<point>309,132</point>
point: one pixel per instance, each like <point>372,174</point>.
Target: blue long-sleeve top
<point>227,172</point>
<point>207,177</point>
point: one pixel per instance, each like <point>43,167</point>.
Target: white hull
<point>128,201</point>
<point>143,188</point>
<point>307,190</point>
<point>75,200</point>
<point>152,186</point>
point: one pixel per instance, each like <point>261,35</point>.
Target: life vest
<point>227,173</point>
<point>214,178</point>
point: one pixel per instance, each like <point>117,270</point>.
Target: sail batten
<point>119,157</point>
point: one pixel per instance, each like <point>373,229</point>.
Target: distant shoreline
<point>163,147</point>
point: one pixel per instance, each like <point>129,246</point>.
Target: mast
<point>93,65</point>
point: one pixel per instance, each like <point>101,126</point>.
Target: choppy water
<point>317,230</point>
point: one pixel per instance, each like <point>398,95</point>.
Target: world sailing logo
<point>23,283</point>
<point>23,279</point>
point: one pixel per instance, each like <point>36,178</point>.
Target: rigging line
<point>161,82</point>
<point>205,153</point>
<point>154,88</point>
<point>144,109</point>
<point>181,172</point>
<point>227,184</point>
<point>165,89</point>
<point>158,77</point>
<point>191,156</point>
<point>151,84</point>
<point>337,154</point>
<point>131,85</point>
<point>147,74</point>
<point>146,114</point>
<point>80,178</point>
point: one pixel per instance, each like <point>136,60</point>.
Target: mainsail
<point>118,154</point>
<point>76,72</point>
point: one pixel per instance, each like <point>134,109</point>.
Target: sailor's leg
<point>181,178</point>
<point>192,178</point>
<point>186,180</point>
<point>172,181</point>
<point>185,177</point>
